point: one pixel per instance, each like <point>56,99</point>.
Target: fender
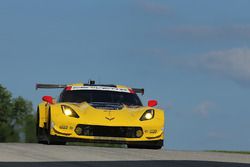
<point>42,114</point>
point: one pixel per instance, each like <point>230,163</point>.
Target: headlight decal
<point>68,111</point>
<point>148,115</point>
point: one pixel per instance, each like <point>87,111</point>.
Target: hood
<point>108,114</point>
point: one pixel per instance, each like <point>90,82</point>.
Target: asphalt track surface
<point>39,155</point>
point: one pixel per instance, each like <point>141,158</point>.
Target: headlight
<point>69,111</point>
<point>149,114</point>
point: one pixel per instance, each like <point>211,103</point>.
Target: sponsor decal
<point>153,131</point>
<point>63,127</point>
<point>103,88</point>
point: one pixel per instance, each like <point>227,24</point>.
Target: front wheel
<point>147,145</point>
<point>51,140</point>
<point>39,131</point>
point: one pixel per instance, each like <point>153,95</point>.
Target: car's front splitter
<point>142,143</point>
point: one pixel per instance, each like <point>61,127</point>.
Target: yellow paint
<point>152,129</point>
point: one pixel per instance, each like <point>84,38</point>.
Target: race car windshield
<point>92,96</point>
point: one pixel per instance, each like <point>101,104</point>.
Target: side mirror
<point>152,103</point>
<point>48,99</point>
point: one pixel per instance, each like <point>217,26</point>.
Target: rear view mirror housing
<point>152,103</point>
<point>48,99</point>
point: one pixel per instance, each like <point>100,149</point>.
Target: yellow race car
<point>99,113</point>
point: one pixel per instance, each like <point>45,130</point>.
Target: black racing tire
<point>51,140</point>
<point>147,145</point>
<point>39,130</point>
<point>144,147</point>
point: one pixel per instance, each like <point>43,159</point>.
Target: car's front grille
<point>109,131</point>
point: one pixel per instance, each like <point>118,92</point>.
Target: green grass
<point>230,152</point>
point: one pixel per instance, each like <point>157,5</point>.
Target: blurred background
<point>192,56</point>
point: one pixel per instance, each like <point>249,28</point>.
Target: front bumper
<point>109,131</point>
<point>137,143</point>
<point>115,134</point>
<point>101,129</point>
